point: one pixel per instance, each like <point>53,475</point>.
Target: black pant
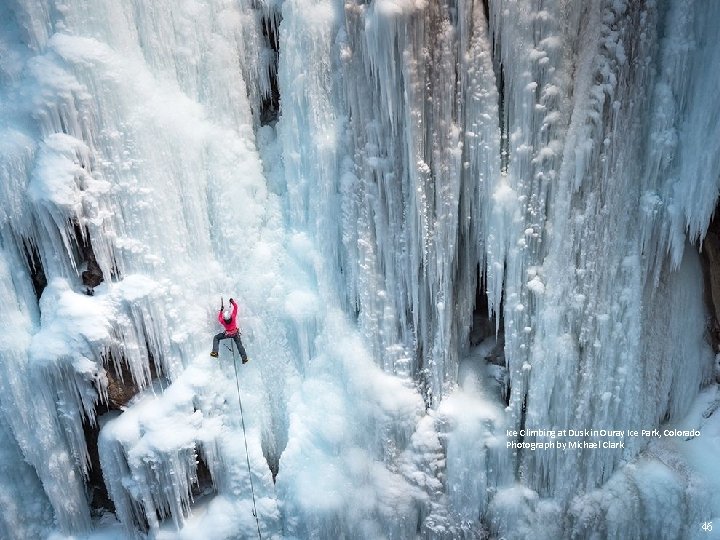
<point>235,337</point>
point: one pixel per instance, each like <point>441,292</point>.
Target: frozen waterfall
<point>474,246</point>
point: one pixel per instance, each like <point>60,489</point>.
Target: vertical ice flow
<point>557,161</point>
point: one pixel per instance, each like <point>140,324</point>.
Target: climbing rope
<point>247,454</point>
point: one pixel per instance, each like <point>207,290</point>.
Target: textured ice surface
<point>562,157</point>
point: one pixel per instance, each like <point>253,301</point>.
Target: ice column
<point>580,303</point>
<point>400,104</point>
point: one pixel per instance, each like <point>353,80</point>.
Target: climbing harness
<point>247,454</point>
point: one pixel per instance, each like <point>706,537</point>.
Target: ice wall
<point>127,144</point>
<point>556,161</point>
<point>27,511</point>
<point>555,147</point>
<point>579,325</point>
<point>401,108</point>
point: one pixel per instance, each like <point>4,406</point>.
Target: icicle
<point>47,428</point>
<point>148,456</point>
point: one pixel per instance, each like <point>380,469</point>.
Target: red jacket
<point>231,327</point>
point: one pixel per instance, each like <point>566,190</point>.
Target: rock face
<point>120,390</point>
<point>711,266</point>
<point>97,493</point>
<point>93,276</point>
<point>121,387</point>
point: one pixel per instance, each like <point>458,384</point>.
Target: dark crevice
<point>273,442</point>
<point>97,494</point>
<point>483,323</point>
<point>35,267</point>
<point>499,70</point>
<point>710,258</point>
<point>92,275</point>
<point>489,326</point>
<point>272,459</point>
<point>502,118</point>
<point>270,106</point>
<point>205,484</point>
<point>523,414</point>
<point>156,372</point>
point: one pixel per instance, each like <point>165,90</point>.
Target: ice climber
<point>228,318</point>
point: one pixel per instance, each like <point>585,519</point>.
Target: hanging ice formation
<point>468,218</point>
